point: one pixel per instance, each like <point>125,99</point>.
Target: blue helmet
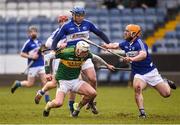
<point>78,10</point>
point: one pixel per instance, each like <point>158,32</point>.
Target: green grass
<point>116,106</point>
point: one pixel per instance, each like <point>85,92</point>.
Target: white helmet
<point>82,46</point>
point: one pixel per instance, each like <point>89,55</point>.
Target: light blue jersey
<point>75,32</point>
<point>132,50</point>
<point>31,47</point>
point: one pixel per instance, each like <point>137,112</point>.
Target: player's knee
<point>166,94</point>
<point>93,94</point>
<point>93,80</point>
<point>30,84</point>
<point>138,89</point>
<point>58,104</point>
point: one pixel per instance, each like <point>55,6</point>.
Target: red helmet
<point>62,18</point>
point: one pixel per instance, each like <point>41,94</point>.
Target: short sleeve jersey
<point>32,47</point>
<point>132,50</point>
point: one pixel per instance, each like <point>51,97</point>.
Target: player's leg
<point>72,97</point>
<point>139,85</point>
<point>89,71</point>
<point>44,81</point>
<point>55,103</point>
<point>89,94</point>
<point>62,89</point>
<point>171,84</point>
<point>164,89</point>
<point>48,86</point>
<point>155,80</point>
<point>26,83</point>
<point>32,73</point>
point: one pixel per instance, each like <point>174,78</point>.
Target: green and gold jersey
<point>70,65</point>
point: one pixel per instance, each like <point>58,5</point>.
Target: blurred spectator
<point>148,3</point>
<point>139,3</point>
<point>110,4</point>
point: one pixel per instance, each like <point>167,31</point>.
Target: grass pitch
<point>116,106</point>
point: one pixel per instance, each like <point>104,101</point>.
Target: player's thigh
<point>86,89</point>
<point>139,83</point>
<point>163,89</point>
<point>41,73</point>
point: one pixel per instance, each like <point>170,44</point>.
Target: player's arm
<point>60,34</point>
<point>100,62</point>
<point>48,58</point>
<point>99,33</point>
<point>141,56</point>
<point>111,45</point>
<point>26,55</point>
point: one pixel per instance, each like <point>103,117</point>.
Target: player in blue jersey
<point>143,70</point>
<point>74,30</point>
<point>31,51</point>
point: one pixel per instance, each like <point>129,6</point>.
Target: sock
<point>80,105</point>
<point>47,98</point>
<point>71,106</point>
<point>42,92</point>
<point>142,112</point>
<point>18,84</point>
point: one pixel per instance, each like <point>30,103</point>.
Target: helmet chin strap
<point>133,37</point>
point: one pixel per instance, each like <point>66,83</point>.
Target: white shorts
<point>69,85</point>
<point>55,65</point>
<point>87,64</point>
<point>152,78</point>
<point>35,71</point>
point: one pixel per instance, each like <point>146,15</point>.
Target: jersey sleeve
<point>60,35</point>
<point>141,45</point>
<point>122,45</point>
<point>98,32</point>
<point>25,48</point>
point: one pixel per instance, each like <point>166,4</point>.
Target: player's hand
<point>34,56</point>
<point>49,77</point>
<point>110,67</point>
<point>128,59</point>
<point>105,45</point>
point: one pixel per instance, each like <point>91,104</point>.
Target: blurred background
<point>159,19</point>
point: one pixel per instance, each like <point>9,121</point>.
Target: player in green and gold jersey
<point>72,58</point>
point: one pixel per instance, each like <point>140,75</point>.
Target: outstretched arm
<point>100,62</point>
<point>99,33</point>
<point>111,45</point>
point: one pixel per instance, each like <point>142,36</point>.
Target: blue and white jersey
<point>74,32</point>
<point>132,50</point>
<point>54,33</point>
<point>31,47</point>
